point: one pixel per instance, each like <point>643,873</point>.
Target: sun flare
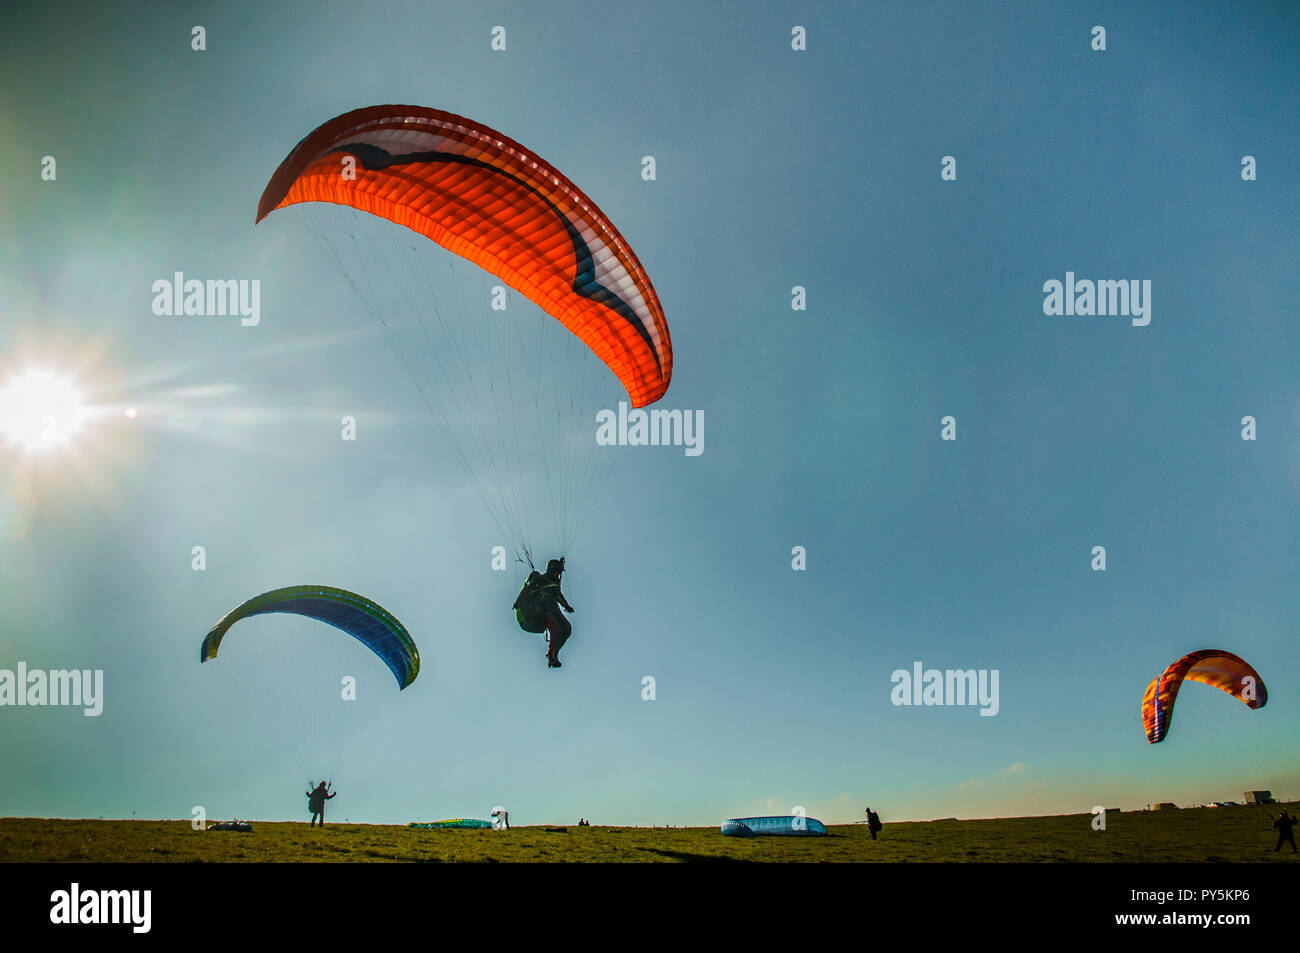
<point>40,411</point>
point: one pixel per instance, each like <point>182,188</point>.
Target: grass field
<point>1240,834</point>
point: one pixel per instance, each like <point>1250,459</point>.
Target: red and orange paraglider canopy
<point>488,199</point>
<point>1223,670</point>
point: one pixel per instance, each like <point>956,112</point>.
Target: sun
<point>40,411</point>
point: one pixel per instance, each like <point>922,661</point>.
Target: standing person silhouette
<point>316,799</point>
<point>1285,825</point>
<point>873,823</point>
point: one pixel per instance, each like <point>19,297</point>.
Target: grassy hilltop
<point>1240,834</point>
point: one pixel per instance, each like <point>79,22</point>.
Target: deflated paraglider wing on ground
<point>461,823</point>
<point>760,826</point>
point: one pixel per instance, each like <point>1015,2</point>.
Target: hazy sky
<point>775,168</point>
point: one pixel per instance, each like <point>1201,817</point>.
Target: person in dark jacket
<point>316,799</point>
<point>1285,825</point>
<point>538,605</point>
<point>873,823</point>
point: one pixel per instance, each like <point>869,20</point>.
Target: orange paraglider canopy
<point>486,198</point>
<point>1223,670</point>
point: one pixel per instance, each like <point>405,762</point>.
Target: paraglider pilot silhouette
<point>538,609</point>
<point>316,799</point>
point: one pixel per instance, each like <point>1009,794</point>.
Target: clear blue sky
<point>775,168</point>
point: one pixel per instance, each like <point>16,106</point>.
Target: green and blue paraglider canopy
<point>366,621</point>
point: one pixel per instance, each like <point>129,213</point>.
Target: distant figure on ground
<point>502,818</point>
<point>316,799</point>
<point>1285,824</point>
<point>537,609</point>
<point>873,823</point>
